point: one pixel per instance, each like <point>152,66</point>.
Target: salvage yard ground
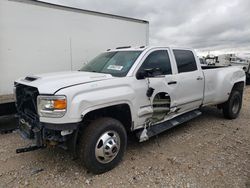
<point>208,151</point>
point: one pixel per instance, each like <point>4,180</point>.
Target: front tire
<point>102,145</point>
<point>232,107</point>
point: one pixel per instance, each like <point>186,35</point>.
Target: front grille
<point>26,102</point>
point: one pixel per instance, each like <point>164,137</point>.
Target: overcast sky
<point>206,25</point>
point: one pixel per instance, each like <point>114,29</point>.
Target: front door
<point>156,99</point>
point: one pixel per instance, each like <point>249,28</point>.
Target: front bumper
<point>31,127</point>
<point>45,133</point>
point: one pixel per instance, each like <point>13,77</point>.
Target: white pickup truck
<point>145,90</point>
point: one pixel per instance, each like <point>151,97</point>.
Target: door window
<point>158,60</point>
<point>185,60</point>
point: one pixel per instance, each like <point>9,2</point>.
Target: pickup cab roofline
<point>142,48</point>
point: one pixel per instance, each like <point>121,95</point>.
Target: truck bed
<point>212,67</point>
<point>217,83</point>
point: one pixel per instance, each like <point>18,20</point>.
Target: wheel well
<point>120,112</point>
<point>239,86</point>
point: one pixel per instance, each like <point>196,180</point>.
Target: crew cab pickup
<point>145,90</point>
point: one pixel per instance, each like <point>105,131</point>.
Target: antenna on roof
<point>122,47</point>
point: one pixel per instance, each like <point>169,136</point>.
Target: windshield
<point>115,63</point>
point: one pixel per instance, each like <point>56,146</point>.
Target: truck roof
<point>142,48</point>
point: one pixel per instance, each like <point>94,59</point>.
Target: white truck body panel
<point>194,89</point>
<point>219,82</point>
<point>38,37</point>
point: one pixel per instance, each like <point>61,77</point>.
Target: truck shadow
<point>8,123</point>
<point>58,161</point>
<point>208,114</point>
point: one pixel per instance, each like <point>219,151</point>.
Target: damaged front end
<point>42,134</point>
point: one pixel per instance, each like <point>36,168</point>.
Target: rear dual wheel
<point>102,145</point>
<point>232,107</point>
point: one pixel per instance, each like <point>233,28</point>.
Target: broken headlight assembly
<point>51,106</point>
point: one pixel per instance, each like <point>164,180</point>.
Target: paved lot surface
<point>206,152</point>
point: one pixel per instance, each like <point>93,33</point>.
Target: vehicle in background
<point>144,90</point>
<point>39,37</point>
<point>229,60</point>
<point>233,60</point>
<point>203,61</point>
<point>211,60</point>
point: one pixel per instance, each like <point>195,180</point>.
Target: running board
<point>29,148</point>
<point>145,134</point>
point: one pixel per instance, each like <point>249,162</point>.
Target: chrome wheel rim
<point>107,147</point>
<point>236,105</point>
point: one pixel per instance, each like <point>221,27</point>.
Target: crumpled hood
<point>50,83</point>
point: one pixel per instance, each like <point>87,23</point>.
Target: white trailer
<point>39,37</point>
<point>232,60</point>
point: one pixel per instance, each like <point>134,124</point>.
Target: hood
<point>52,82</point>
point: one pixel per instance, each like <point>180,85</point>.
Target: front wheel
<point>102,145</point>
<point>232,107</point>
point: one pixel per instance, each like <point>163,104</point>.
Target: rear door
<point>189,81</point>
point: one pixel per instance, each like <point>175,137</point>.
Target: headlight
<point>51,106</point>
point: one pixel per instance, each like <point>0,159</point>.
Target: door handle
<point>199,78</point>
<point>172,82</point>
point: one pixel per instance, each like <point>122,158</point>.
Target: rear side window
<point>158,59</point>
<point>185,60</point>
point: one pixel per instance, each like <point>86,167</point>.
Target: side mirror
<point>141,75</point>
<point>152,72</point>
